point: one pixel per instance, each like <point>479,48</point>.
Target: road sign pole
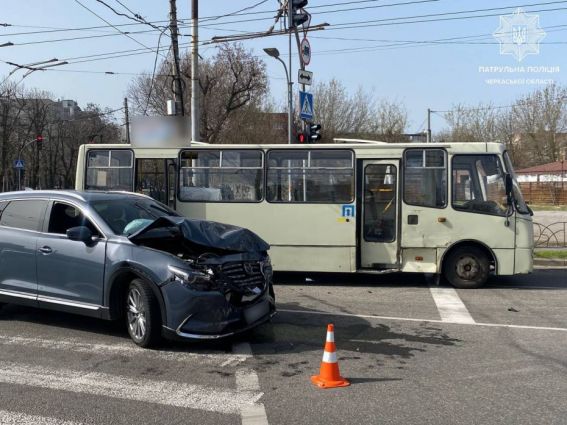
<point>19,179</point>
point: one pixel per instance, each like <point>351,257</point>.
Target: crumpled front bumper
<point>207,315</point>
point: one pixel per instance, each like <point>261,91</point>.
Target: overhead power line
<point>87,37</point>
<point>185,23</point>
<point>233,13</point>
<point>46,30</point>
<point>136,18</point>
<point>113,26</point>
<point>442,14</point>
<point>336,26</point>
<point>401,18</point>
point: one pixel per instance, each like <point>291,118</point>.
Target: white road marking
<point>451,307</point>
<point>16,418</point>
<point>168,393</point>
<point>410,319</point>
<point>126,349</point>
<point>247,380</point>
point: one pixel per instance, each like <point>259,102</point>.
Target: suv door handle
<point>45,250</point>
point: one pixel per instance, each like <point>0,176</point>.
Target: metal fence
<point>550,236</point>
<point>546,193</point>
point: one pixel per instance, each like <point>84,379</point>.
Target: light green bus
<point>451,209</point>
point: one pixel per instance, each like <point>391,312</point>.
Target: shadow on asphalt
<point>551,279</point>
<point>355,381</point>
<point>115,329</point>
<point>300,331</point>
<point>287,333</point>
<point>407,280</point>
<point>292,345</point>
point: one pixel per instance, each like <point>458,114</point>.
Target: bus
<point>450,209</point>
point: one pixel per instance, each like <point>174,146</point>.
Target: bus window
<point>221,175</point>
<point>109,169</point>
<point>478,184</point>
<point>150,178</point>
<point>314,176</point>
<point>425,177</point>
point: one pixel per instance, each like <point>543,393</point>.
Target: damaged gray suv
<point>125,256</point>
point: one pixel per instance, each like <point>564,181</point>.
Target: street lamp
<point>273,52</point>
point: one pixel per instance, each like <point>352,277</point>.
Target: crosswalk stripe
<point>451,307</point>
<point>127,349</point>
<point>17,418</point>
<point>247,380</point>
<point>168,393</point>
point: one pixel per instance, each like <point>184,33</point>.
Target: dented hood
<point>208,234</point>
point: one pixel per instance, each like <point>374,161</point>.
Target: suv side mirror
<point>80,233</point>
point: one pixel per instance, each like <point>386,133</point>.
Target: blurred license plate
<point>256,312</point>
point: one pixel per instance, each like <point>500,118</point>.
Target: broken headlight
<point>193,279</point>
<point>266,267</point>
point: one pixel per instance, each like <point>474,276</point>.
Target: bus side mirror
<point>509,184</point>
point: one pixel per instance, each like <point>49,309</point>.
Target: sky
<point>383,46</point>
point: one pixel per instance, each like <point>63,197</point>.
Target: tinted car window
<point>126,216</point>
<point>26,214</point>
<point>3,204</point>
<point>64,216</point>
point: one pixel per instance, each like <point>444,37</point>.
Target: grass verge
<point>537,207</point>
<point>551,254</point>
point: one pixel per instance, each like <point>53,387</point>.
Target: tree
<point>10,112</point>
<point>391,121</point>
<point>533,128</point>
<point>230,81</point>
<point>540,118</point>
<point>25,114</point>
<point>358,115</point>
<point>472,124</point>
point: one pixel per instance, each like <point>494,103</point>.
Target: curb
<point>545,263</point>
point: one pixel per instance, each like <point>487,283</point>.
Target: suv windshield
<point>127,216</point>
<point>521,205</point>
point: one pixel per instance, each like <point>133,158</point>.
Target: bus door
<point>155,177</point>
<point>379,207</point>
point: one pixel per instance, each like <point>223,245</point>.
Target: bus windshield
<point>478,184</point>
<point>521,205</point>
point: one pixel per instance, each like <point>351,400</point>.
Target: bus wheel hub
<point>467,268</point>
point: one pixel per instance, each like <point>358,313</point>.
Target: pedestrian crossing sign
<point>306,104</point>
<point>19,164</point>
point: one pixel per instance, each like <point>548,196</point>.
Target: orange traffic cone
<point>329,375</point>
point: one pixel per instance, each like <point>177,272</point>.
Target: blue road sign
<point>306,105</point>
<point>348,210</point>
<point>19,164</point>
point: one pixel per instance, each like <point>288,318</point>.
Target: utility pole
<point>428,125</point>
<point>195,115</point>
<point>290,80</point>
<point>177,86</point>
<point>127,119</point>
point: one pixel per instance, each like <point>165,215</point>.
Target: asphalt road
<point>413,353</point>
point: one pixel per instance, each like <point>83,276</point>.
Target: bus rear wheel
<point>467,267</point>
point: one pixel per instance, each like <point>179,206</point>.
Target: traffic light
<point>301,138</point>
<point>39,141</point>
<point>296,15</point>
<point>314,132</point>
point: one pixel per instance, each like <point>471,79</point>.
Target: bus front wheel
<point>467,267</point>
